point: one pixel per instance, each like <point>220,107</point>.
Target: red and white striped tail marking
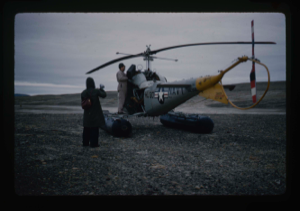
<point>252,74</point>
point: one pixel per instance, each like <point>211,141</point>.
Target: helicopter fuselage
<point>159,100</point>
<point>150,94</point>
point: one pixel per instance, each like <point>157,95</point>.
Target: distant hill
<point>111,100</point>
<point>21,95</point>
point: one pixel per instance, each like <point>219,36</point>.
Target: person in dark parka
<point>93,117</point>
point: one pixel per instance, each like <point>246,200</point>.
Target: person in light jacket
<point>122,87</point>
<point>93,118</point>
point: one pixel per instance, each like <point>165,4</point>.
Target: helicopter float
<point>149,93</point>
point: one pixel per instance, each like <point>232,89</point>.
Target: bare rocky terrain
<point>245,154</point>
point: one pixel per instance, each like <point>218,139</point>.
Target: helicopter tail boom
<point>206,82</point>
<point>211,86</point>
<point>215,92</point>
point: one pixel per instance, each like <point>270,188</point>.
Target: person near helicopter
<point>122,87</point>
<point>93,118</point>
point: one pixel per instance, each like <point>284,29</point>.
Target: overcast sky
<point>53,51</point>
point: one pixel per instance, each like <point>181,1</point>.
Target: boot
<point>86,136</point>
<point>94,137</point>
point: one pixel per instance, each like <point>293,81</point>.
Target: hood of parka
<point>90,83</point>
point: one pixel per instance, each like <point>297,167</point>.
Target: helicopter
<point>149,93</point>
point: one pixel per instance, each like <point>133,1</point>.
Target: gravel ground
<point>244,155</point>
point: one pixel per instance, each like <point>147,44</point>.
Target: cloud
<point>23,83</point>
<point>59,48</point>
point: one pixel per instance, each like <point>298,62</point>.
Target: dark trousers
<point>90,136</point>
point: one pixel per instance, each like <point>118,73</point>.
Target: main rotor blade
<point>208,43</point>
<point>155,57</point>
<point>114,61</point>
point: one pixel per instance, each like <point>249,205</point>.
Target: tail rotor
<point>252,74</point>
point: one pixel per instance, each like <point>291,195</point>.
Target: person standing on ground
<point>122,87</point>
<point>93,117</point>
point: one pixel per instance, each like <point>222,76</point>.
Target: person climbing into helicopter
<point>122,87</point>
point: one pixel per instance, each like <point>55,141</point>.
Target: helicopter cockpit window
<point>161,78</point>
<point>150,76</point>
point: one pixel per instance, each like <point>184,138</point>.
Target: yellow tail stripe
<point>215,93</point>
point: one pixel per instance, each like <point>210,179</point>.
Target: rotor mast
<point>148,58</point>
